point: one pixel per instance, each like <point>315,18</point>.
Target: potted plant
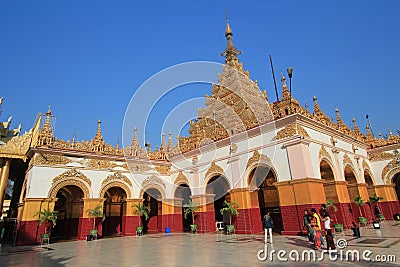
<point>143,211</point>
<point>360,202</point>
<point>46,216</point>
<point>191,208</point>
<point>330,204</point>
<point>375,200</point>
<point>94,213</point>
<point>230,208</point>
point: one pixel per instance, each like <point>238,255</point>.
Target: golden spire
<point>98,142</point>
<point>170,145</point>
<point>135,140</point>
<point>230,52</point>
<point>342,126</point>
<point>285,90</point>
<point>163,145</point>
<point>46,136</point>
<point>319,114</point>
<point>355,128</point>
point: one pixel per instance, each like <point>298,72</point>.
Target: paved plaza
<point>185,249</point>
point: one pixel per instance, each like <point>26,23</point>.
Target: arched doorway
<point>152,199</point>
<point>329,181</point>
<point>114,209</point>
<point>69,205</point>
<point>396,182</point>
<point>218,186</point>
<point>264,178</point>
<point>351,183</point>
<point>183,191</point>
<point>369,182</point>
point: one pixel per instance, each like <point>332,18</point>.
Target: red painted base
<point>205,221</point>
<point>248,221</point>
<point>173,222</point>
<point>129,224</point>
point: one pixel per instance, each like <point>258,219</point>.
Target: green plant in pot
<point>142,211</point>
<point>49,218</point>
<point>330,204</point>
<point>94,213</point>
<point>231,209</point>
<point>360,202</point>
<point>191,208</point>
<point>375,200</point>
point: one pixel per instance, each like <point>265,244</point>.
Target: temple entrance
<point>218,186</point>
<point>183,191</point>
<point>329,181</point>
<point>70,208</point>
<point>264,178</point>
<point>114,209</point>
<point>370,183</point>
<point>152,199</point>
<point>396,182</point>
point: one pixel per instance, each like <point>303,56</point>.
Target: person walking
<point>268,224</point>
<point>330,244</point>
<point>306,224</point>
<point>317,226</point>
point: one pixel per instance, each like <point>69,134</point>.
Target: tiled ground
<point>200,250</point>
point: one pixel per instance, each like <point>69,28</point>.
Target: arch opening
<point>183,191</point>
<point>263,178</point>
<point>114,210</point>
<point>69,205</point>
<point>219,186</point>
<point>152,199</point>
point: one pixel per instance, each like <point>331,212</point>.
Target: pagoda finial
<point>135,140</point>
<point>163,145</point>
<point>170,145</point>
<point>285,90</point>
<point>230,52</point>
<point>98,142</point>
<point>355,127</point>
<point>341,124</point>
<point>46,135</point>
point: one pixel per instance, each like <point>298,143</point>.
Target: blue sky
<point>86,58</point>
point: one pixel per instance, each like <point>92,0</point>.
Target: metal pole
<point>273,76</point>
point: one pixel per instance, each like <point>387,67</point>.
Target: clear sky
<point>86,58</point>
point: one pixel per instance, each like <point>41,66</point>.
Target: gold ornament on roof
<point>50,159</point>
<point>117,176</point>
<point>181,179</point>
<point>214,168</point>
<point>260,158</point>
<point>151,180</point>
<point>72,174</point>
<point>291,130</point>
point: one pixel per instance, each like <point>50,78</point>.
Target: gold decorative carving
<point>377,156</point>
<point>257,157</point>
<point>181,179</point>
<point>114,183</point>
<point>117,176</point>
<point>57,186</point>
<point>72,173</point>
<point>101,164</point>
<point>151,180</point>
<point>50,159</point>
<point>394,164</point>
<point>134,167</point>
<point>365,165</point>
<point>163,169</point>
<point>16,147</point>
<point>214,168</point>
<point>323,153</point>
<point>347,160</point>
<point>291,130</point>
